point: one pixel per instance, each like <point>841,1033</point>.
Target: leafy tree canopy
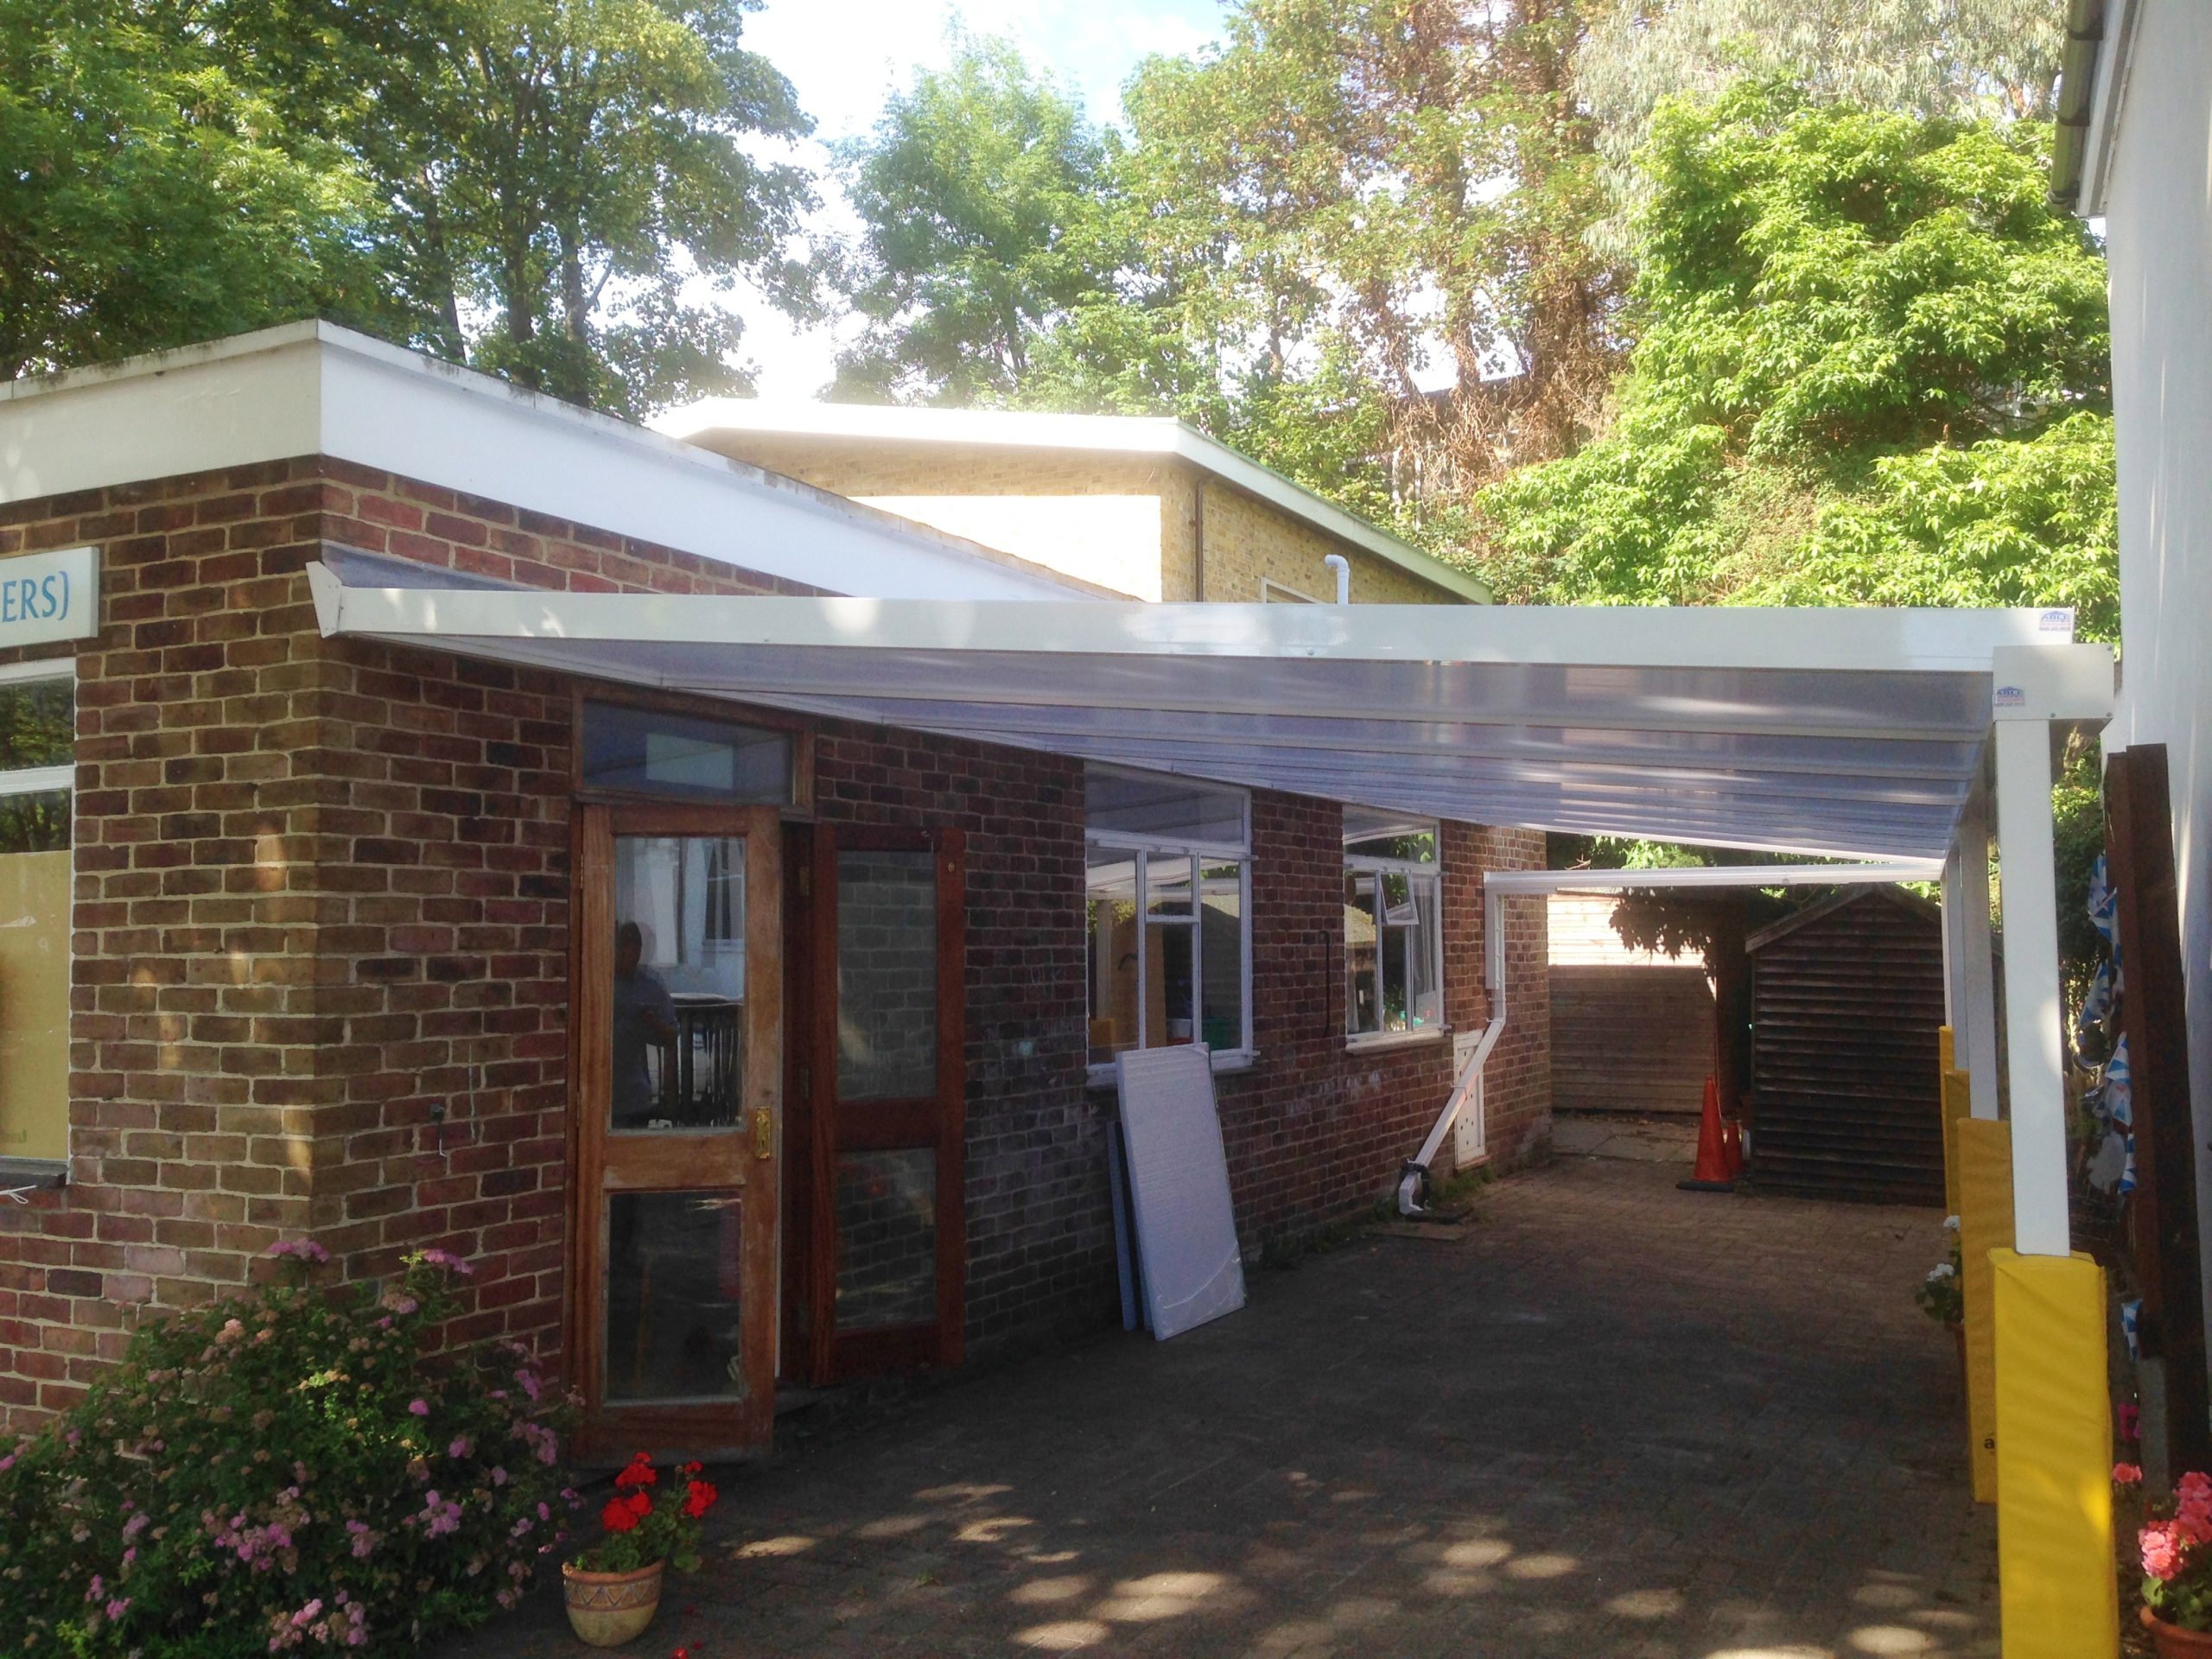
<point>147,198</point>
<point>563,189</point>
<point>1303,231</point>
<point>988,216</point>
<point>1990,60</point>
<point>1386,197</point>
<point>560,191</point>
<point>1872,370</point>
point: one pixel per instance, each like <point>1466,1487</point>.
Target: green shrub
<point>289,1470</point>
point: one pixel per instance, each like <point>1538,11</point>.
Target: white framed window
<point>1167,915</point>
<point>38,725</point>
<point>1394,925</point>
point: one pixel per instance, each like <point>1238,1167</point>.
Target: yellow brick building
<point>1137,505</point>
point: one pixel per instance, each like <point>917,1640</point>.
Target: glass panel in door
<point>887,973</point>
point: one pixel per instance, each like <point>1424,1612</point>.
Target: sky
<point>845,57</point>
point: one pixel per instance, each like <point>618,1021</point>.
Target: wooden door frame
<point>744,1424</point>
<point>834,1357</point>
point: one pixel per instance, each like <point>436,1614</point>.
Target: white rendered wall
<point>1111,540</point>
<point>2158,218</point>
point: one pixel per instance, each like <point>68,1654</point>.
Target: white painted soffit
<point>313,388</point>
<point>1829,733</point>
<point>1131,435</point>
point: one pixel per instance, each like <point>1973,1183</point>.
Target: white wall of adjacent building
<point>2151,153</point>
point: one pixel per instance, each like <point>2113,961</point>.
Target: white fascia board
<point>312,387</point>
<point>1129,435</point>
<point>2116,54</point>
<point>1715,875</point>
<point>2052,683</point>
<point>1670,638</point>
<point>233,403</point>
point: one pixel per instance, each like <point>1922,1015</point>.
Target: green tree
<point>1872,369</point>
<point>563,189</point>
<point>1394,190</point>
<point>988,216</point>
<point>1305,231</point>
<point>149,199</point>
<point>1990,60</point>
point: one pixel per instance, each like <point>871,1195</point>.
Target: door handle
<point>764,1134</point>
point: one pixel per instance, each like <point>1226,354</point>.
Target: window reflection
<point>677,999</point>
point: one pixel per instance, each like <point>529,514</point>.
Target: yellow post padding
<point>1946,1051</point>
<point>1984,1224</point>
<point>2055,1586</point>
<point>1958,1102</point>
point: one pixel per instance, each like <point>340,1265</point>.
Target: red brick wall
<point>321,890</point>
<point>442,843</point>
<point>193,1011</point>
<point>1040,1242</point>
<point>1315,1129</point>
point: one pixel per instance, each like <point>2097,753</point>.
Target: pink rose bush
<point>289,1470</point>
<point>2177,1565</point>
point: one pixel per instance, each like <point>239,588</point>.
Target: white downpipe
<point>1342,565</point>
<point>1470,1080</point>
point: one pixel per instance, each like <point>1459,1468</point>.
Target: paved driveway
<point>1615,1421</point>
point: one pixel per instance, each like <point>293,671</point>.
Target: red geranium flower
<point>639,1504</point>
<point>617,1517</point>
<point>698,1499</point>
<point>640,1473</point>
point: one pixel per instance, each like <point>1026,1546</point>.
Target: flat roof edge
<point>1129,434</point>
<point>494,395</point>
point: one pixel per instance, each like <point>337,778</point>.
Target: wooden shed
<point>1848,998</point>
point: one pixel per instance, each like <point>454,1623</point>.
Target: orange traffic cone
<point>1715,1172</point>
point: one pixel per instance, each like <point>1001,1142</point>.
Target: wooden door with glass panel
<point>679,1006</point>
<point>888,1085</point>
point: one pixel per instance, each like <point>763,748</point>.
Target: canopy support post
<point>2034,1052</point>
<point>1976,1020</point>
<point>2053,1416</point>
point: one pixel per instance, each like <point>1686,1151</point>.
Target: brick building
<point>734,1041</point>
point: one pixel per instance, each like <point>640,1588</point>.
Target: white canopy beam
<point>1840,733</point>
<point>1868,641</point>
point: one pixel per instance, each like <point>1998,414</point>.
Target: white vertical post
<point>1975,1023</point>
<point>1954,1002</point>
<point>2033,1045</point>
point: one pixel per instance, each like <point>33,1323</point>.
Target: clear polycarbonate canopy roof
<point>1856,732</point>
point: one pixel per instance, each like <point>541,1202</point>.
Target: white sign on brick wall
<point>50,596</point>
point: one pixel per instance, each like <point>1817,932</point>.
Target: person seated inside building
<point>644,1020</point>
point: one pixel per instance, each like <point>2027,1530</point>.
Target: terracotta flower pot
<point>607,1609</point>
<point>2173,1642</point>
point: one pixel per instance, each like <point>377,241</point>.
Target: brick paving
<point>1615,1421</point>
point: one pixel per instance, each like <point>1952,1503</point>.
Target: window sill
<point>22,1174</point>
<point>1367,1040</point>
<point>1229,1059</point>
